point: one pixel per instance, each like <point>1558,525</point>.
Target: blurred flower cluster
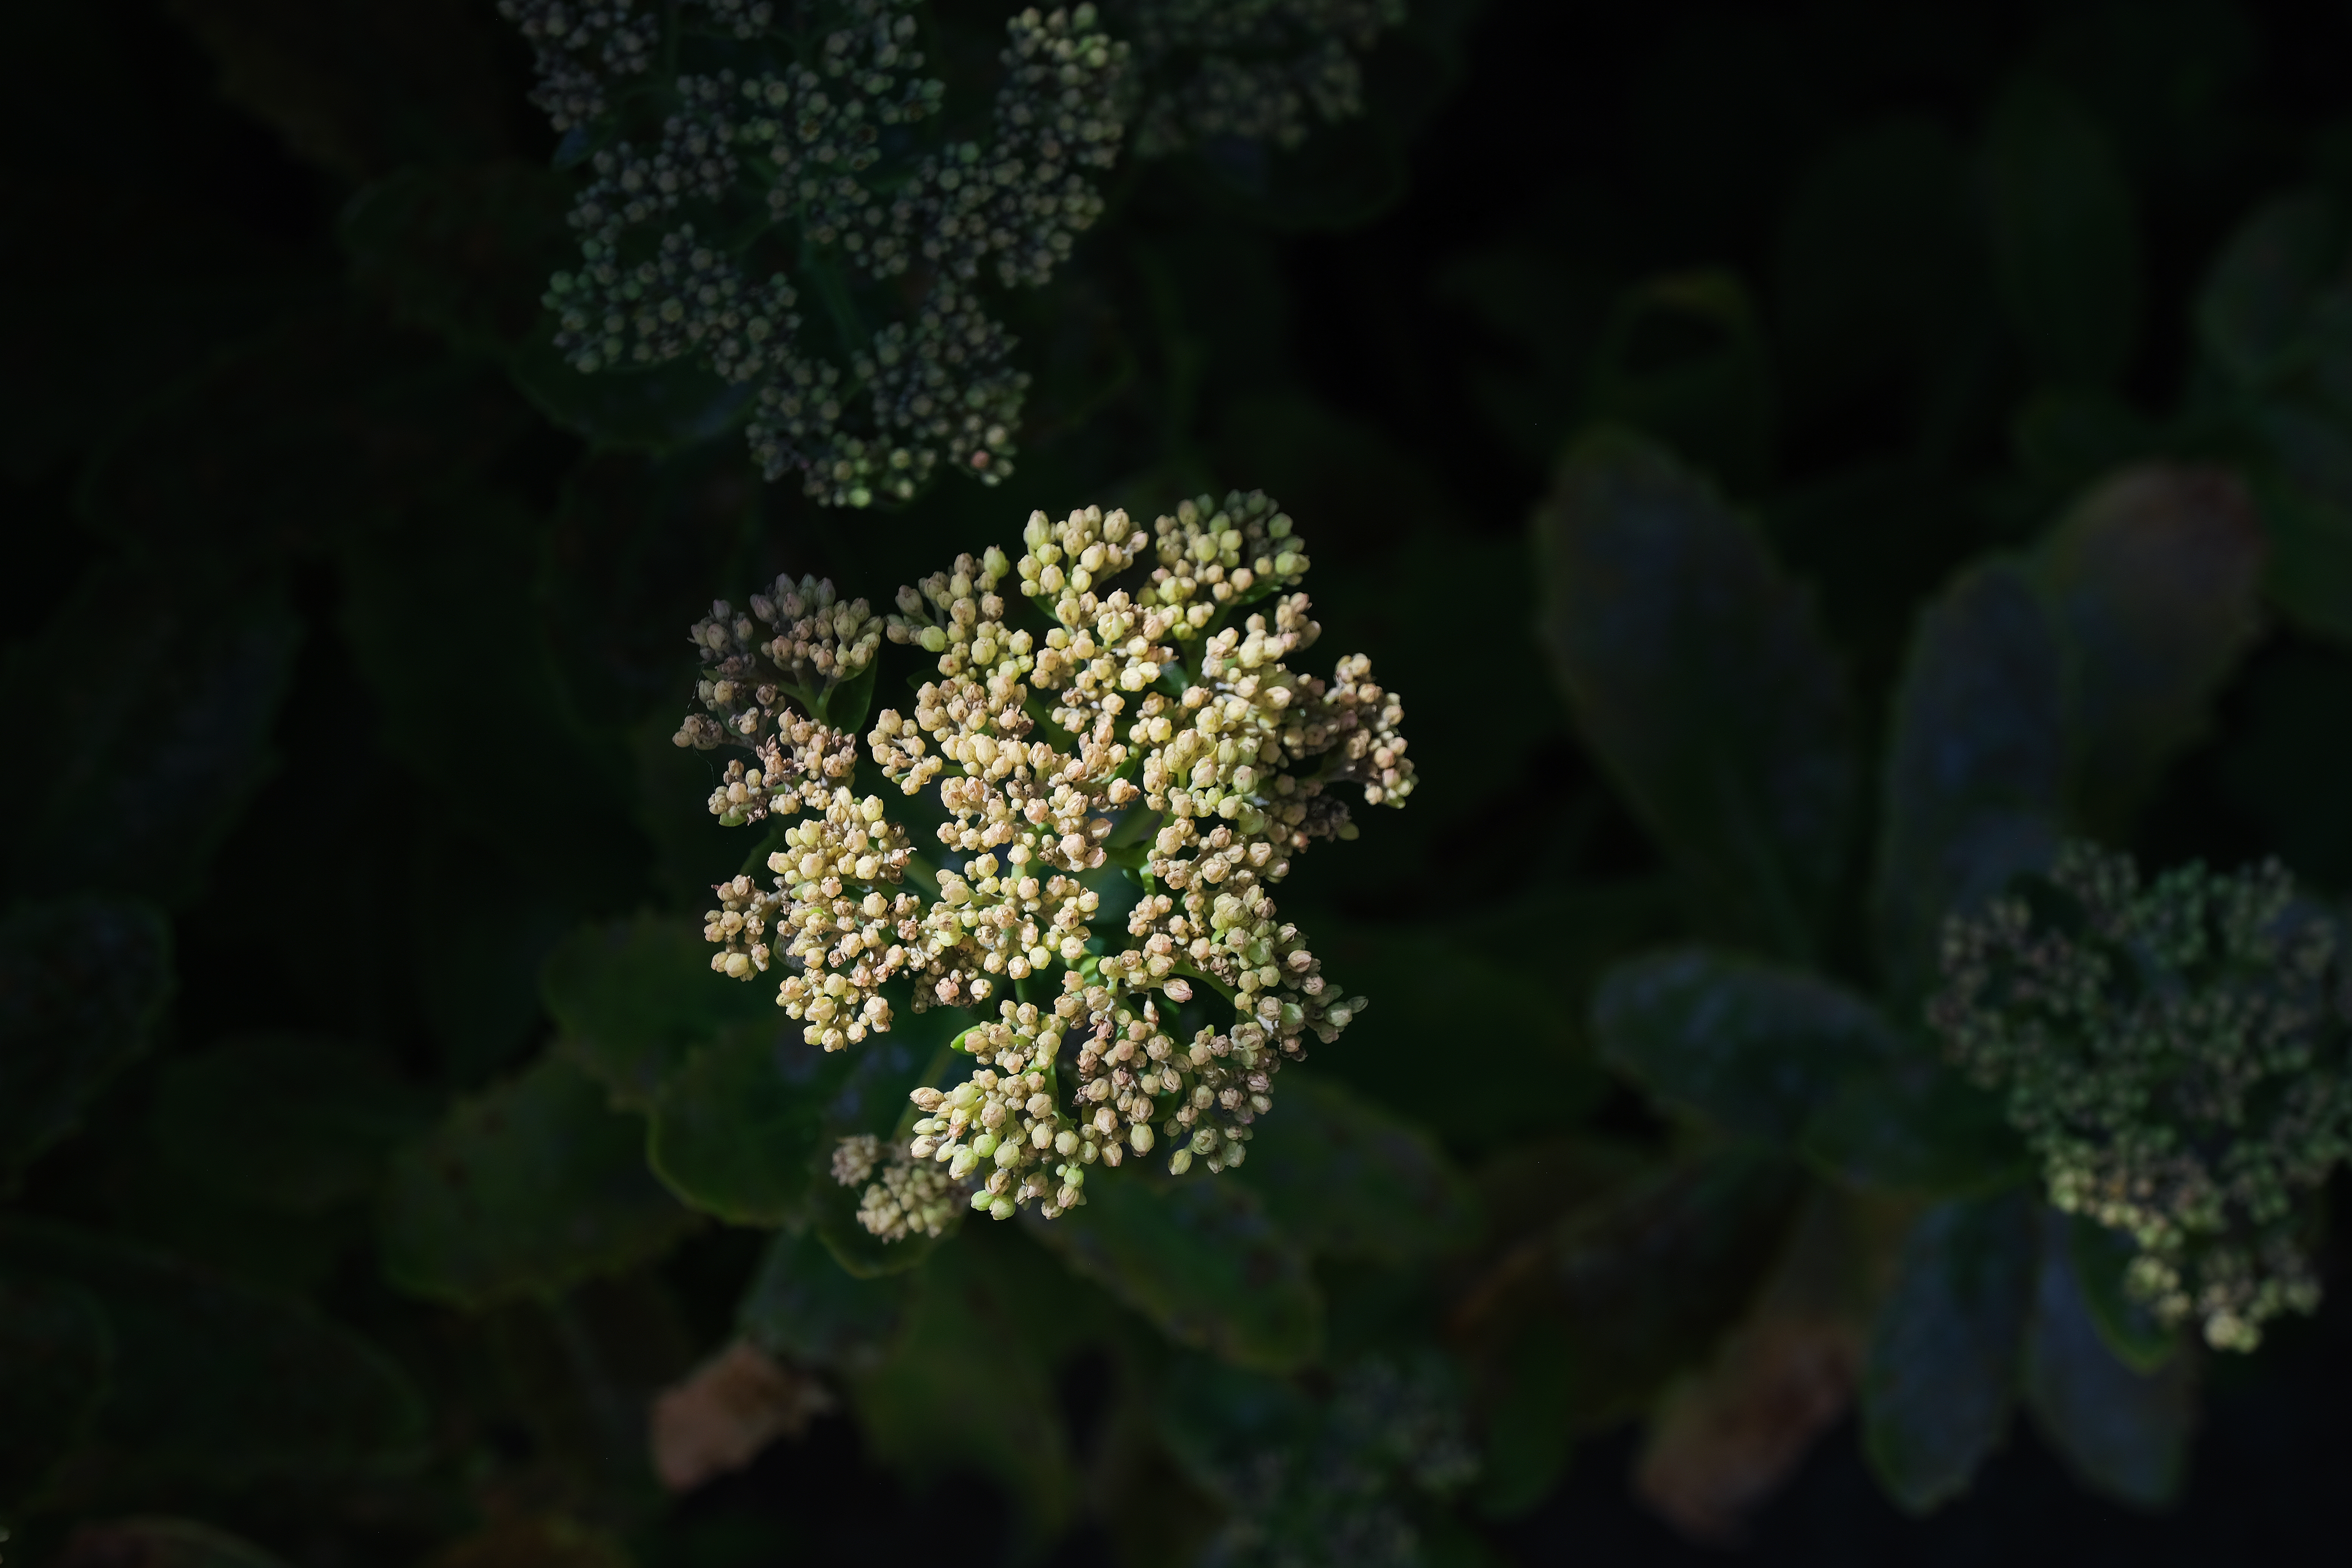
<point>2175,1052</point>
<point>1144,746</point>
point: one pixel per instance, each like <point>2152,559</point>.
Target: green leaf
<point>1346,1179</point>
<point>2156,575</point>
<point>636,997</point>
<point>666,409</point>
<point>153,1542</point>
<point>2124,1432</point>
<point>1976,767</point>
<point>1682,357</point>
<point>275,1392</point>
<point>82,984</point>
<point>805,1307</point>
<point>1914,1125</point>
<point>2065,239</point>
<point>2254,315</point>
<point>1532,1423</point>
<point>846,706</point>
<point>1749,1046</point>
<point>526,1189</point>
<point>1704,685</point>
<point>1941,1371</point>
<point>53,1360</point>
<point>2305,486</point>
<point>464,251</point>
<point>970,1384</point>
<point>288,1122</point>
<point>1635,1284</point>
<point>2100,1257</point>
<point>1202,1260</point>
<point>156,732</point>
<point>738,1130</point>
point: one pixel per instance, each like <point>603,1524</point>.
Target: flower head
<point>2176,1055</point>
<point>1126,729</point>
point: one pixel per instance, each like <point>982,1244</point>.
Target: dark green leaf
<point>2100,1257</point>
<point>1531,1423</point>
<point>2155,575</point>
<point>289,1123</point>
<point>465,252</point>
<point>526,1189</point>
<point>2254,314</point>
<point>636,997</point>
<point>161,1544</point>
<point>156,732</point>
<point>2124,1432</point>
<point>1344,1178</point>
<point>53,1359</point>
<point>2066,238</point>
<point>2306,490</point>
<point>805,1307</point>
<point>661,410</point>
<point>1752,1048</point>
<point>277,1392</point>
<point>1914,1125</point>
<point>847,704</point>
<point>81,986</point>
<point>1942,1368</point>
<point>1636,1283</point>
<point>1200,1259</point>
<point>1703,683</point>
<point>1976,768</point>
<point>971,1385</point>
<point>738,1130</point>
<point>1682,358</point>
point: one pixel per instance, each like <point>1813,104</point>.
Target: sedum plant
<point>1126,765</point>
<point>2175,1054</point>
<point>782,193</point>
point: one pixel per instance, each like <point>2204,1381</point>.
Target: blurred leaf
<point>276,1393</point>
<point>82,984</point>
<point>2100,1257</point>
<point>55,1355</point>
<point>2304,487</point>
<point>2155,575</point>
<point>1532,1423</point>
<point>1976,766</point>
<point>2068,437</point>
<point>533,1541</point>
<point>739,1129</point>
<point>1634,1286</point>
<point>1915,1126</point>
<point>1344,1178</point>
<point>527,1189</point>
<point>2255,314</point>
<point>476,940</point>
<point>157,727</point>
<point>1942,1367</point>
<point>359,86</point>
<point>288,1122</point>
<point>2124,1432</point>
<point>970,1384</point>
<point>1701,681</point>
<point>464,251</point>
<point>1200,1259</point>
<point>1682,358</point>
<point>2288,767</point>
<point>665,409</point>
<point>2066,238</point>
<point>159,1543</point>
<point>804,1306</point>
<point>1751,1047</point>
<point>635,998</point>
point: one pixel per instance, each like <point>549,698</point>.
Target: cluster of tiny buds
<point>2176,1053</point>
<point>1250,69</point>
<point>1068,760</point>
<point>908,1198</point>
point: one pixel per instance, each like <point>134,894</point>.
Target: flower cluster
<point>1129,746</point>
<point>2176,1055</point>
<point>800,141</point>
<point>910,1197</point>
<point>1249,70</point>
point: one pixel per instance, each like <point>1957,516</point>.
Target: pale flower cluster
<point>1253,71</point>
<point>1128,743</point>
<point>2176,1053</point>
